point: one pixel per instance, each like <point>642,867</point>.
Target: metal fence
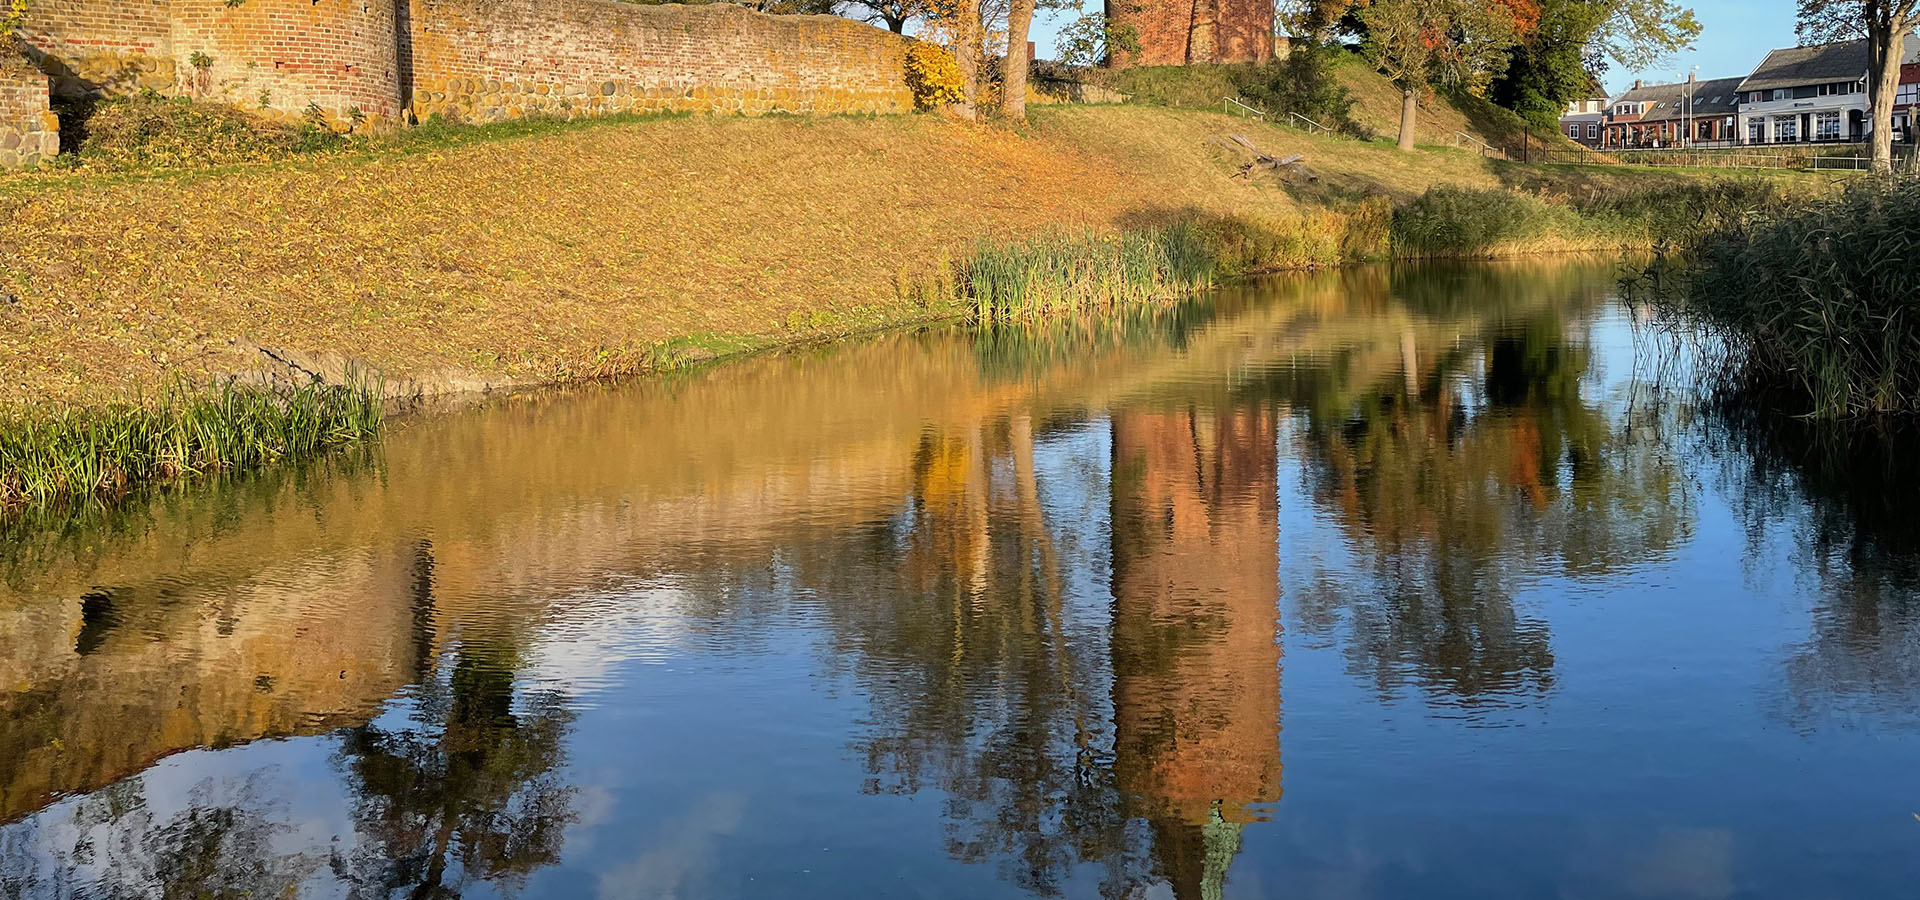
<point>1803,157</point>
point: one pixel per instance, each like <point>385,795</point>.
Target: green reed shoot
<point>1080,272</point>
<point>55,454</point>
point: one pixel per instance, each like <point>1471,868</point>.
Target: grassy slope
<point>1376,102</point>
<point>571,250</point>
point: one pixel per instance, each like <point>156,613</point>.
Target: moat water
<point>1396,582</point>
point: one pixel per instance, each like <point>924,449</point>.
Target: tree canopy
<point>1462,44</point>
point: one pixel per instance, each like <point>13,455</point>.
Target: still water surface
<point>1397,582</point>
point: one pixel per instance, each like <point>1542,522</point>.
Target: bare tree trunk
<point>1409,112</point>
<point>895,25</point>
<point>966,54</point>
<point>1886,44</point>
<point>1014,79</point>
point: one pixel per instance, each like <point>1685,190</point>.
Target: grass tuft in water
<point>1071,273</point>
<point>56,455</point>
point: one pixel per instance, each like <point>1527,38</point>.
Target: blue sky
<point>1734,35</point>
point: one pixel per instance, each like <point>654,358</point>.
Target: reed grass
<point>51,455</point>
<point>1073,273</point>
<point>1451,222</point>
<point>1818,304</point>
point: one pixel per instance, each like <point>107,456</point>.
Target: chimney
<point>1637,83</point>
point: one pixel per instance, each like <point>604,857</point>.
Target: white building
<point>1809,95</point>
<point>1583,120</point>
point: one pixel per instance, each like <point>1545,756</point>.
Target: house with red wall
<point>1906,104</point>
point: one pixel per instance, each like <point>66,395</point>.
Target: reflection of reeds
<point>53,455</point>
<point>1080,272</point>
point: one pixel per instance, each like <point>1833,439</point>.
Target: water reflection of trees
<point>955,619</point>
<point>220,846</point>
<point>460,784</point>
<point>469,787</point>
<point>1458,471</point>
<point>1842,498</point>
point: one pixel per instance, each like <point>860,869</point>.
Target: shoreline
<point>585,253</point>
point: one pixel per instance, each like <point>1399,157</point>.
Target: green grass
<point>1817,303</point>
<point>1071,273</point>
<point>57,455</point>
<point>1456,222</point>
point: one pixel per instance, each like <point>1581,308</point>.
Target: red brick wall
<point>494,59</point>
<point>471,59</point>
<point>101,46</point>
<point>1182,32</point>
<point>28,132</point>
<point>338,55</point>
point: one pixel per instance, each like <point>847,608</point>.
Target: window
<point>1756,131</point>
<point>1826,126</point>
<point>1786,128</point>
<point>1593,131</point>
<point>1828,90</point>
<point>1782,93</point>
<point>1907,95</point>
<point>1573,131</point>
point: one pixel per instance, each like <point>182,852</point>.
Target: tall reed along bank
<point>537,251</point>
<point>1815,305</point>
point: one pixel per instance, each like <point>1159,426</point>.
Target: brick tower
<point>1184,32</point>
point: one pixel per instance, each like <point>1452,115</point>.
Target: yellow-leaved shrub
<point>932,75</point>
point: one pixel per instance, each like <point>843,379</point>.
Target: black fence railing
<point>1839,157</point>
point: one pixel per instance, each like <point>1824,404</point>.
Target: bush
<point>148,131</point>
<point>1302,84</point>
<point>1449,221</point>
<point>933,75</point>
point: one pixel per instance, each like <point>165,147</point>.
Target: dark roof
<point>1797,66</point>
<point>1714,97</point>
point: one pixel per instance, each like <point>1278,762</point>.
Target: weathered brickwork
<point>290,55</point>
<point>102,46</point>
<point>368,61</point>
<point>338,55</point>
<point>1195,31</point>
<point>484,60</point>
<point>29,133</point>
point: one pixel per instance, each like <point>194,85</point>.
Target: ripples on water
<point>1015,613</point>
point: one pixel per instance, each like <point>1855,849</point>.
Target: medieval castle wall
<point>1196,31</point>
<point>370,61</point>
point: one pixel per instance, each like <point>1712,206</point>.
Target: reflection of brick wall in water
<point>1196,653</point>
<point>1195,31</point>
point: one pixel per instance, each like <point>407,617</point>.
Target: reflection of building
<point>1196,656</point>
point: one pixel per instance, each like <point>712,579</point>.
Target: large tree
<point>1886,24</point>
<point>1013,94</point>
<point>1578,40</point>
<point>1457,43</point>
<point>895,14</point>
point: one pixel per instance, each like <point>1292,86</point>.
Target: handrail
<point>1312,126</point>
<point>1486,149</point>
<point>1229,103</point>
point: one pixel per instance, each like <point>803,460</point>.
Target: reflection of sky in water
<point>1642,696</point>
